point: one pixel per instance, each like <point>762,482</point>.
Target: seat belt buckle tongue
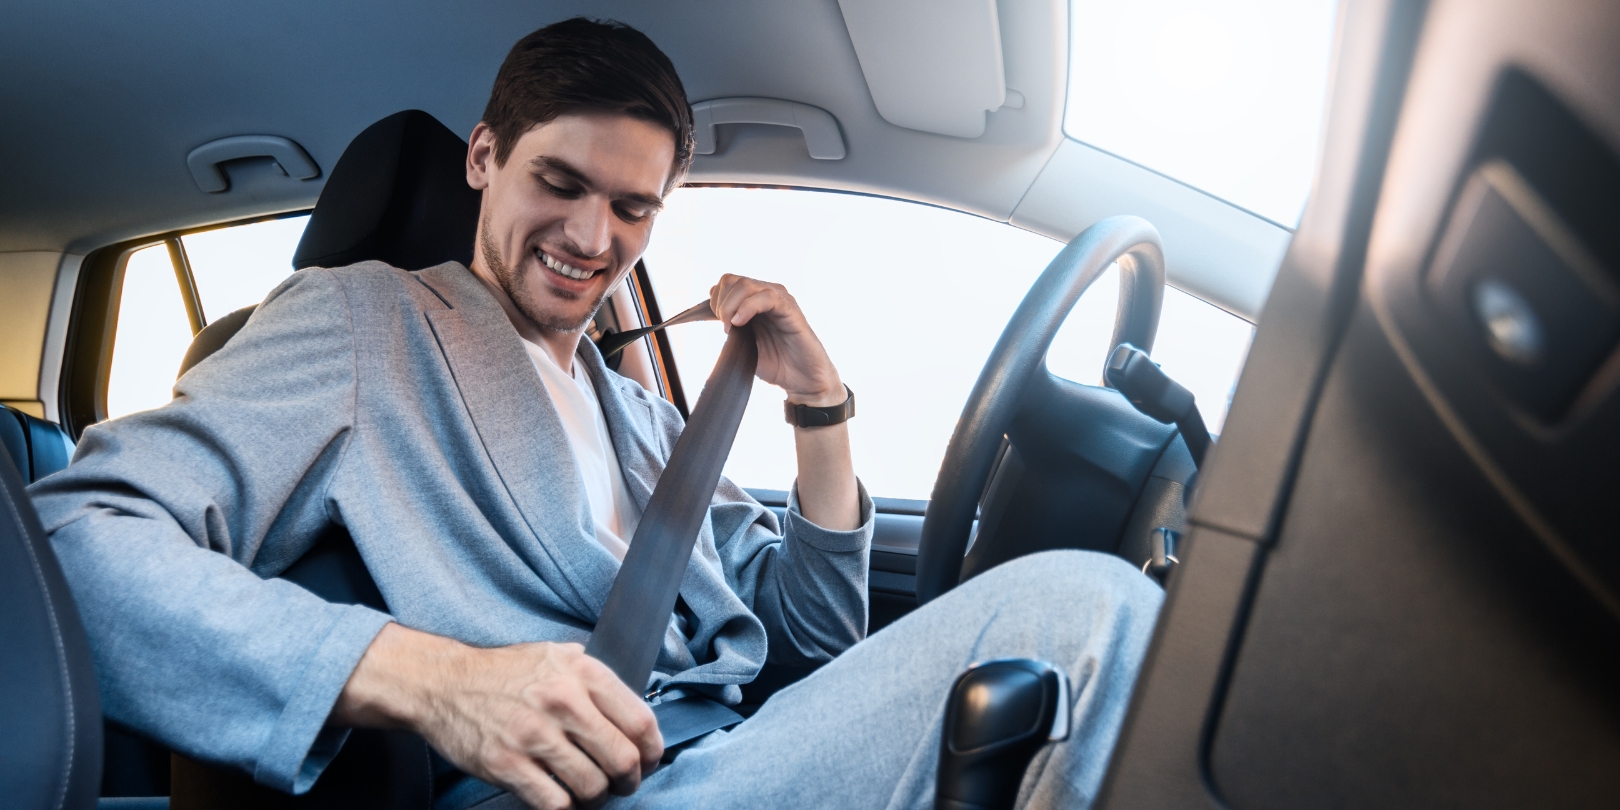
<point>687,716</point>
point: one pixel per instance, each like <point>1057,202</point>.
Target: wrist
<point>394,683</point>
<point>835,394</point>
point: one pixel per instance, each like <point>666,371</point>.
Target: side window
<point>217,270</point>
<point>238,266</point>
<point>909,299</point>
<point>152,334</point>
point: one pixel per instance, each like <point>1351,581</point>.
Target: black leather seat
<point>130,766</point>
<point>398,195</point>
<point>50,716</point>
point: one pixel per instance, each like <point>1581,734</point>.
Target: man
<point>491,471</point>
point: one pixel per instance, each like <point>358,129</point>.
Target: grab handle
<point>821,135</point>
<point>205,160</point>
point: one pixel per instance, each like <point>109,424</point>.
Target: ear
<point>480,156</point>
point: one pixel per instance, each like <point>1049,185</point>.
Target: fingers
<point>775,302</point>
<point>532,784</point>
<point>583,745</point>
<point>736,300</point>
<point>560,755</point>
<point>547,722</point>
<point>607,759</point>
<point>538,747</point>
<point>625,714</point>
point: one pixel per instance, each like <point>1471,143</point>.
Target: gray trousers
<point>863,731</point>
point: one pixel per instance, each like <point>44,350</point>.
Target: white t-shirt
<point>574,397</point>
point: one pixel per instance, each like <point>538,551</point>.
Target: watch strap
<point>806,416</point>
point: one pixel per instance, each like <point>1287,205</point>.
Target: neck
<point>558,344</point>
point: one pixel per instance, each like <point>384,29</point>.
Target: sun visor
<point>931,65</point>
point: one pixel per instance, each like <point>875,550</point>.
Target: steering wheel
<point>1018,358</point>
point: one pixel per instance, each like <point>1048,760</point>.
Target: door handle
<point>205,160</point>
<point>820,129</point>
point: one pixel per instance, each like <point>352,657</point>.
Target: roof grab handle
<point>820,129</point>
<point>205,160</point>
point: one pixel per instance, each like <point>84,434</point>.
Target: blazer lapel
<point>521,433</point>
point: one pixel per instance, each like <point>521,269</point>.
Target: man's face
<point>569,213</point>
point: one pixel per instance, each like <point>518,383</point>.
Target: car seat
<point>1400,586</point>
<point>399,195</point>
<point>50,716</point>
<point>36,447</point>
<point>130,766</point>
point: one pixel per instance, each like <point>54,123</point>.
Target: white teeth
<point>564,269</point>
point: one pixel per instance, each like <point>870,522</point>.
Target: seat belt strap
<point>630,630</point>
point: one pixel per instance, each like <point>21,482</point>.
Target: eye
<point>565,190</point>
<point>631,213</point>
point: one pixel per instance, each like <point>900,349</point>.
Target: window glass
<point>1224,95</point>
<point>232,267</point>
<point>909,299</point>
<point>238,266</point>
<point>152,334</point>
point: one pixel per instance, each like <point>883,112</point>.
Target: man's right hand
<point>530,718</point>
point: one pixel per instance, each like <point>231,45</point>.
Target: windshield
<point>1223,95</point>
<point>909,300</point>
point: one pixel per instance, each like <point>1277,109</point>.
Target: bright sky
<point>1224,95</point>
<point>909,299</point>
<point>236,267</point>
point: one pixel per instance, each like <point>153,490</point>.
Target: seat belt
<point>630,631</point>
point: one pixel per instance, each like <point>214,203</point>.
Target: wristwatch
<point>807,417</point>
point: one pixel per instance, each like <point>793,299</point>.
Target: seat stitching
<point>61,649</point>
<point>427,773</point>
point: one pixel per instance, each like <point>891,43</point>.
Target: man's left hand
<point>790,354</point>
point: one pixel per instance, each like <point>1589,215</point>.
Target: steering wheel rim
<point>1018,356</point>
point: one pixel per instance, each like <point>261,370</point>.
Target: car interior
<point>1388,578</point>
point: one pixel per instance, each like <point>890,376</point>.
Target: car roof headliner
<point>104,100</point>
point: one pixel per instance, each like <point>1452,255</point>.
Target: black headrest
<point>399,195</point>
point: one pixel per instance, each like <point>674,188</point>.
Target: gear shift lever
<point>998,715</point>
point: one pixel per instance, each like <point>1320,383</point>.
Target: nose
<point>590,227</point>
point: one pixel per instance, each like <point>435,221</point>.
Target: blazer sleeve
<point>805,583</point>
<point>165,516</point>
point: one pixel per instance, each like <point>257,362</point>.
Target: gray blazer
<point>402,406</point>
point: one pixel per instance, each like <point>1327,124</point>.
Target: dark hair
<point>584,65</point>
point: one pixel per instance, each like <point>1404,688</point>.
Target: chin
<point>561,314</point>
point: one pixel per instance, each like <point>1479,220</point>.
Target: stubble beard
<point>512,282</point>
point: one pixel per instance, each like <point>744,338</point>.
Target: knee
<point>1076,580</point>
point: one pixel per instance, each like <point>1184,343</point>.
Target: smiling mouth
<point>565,270</point>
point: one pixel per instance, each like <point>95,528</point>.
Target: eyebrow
<point>560,166</point>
